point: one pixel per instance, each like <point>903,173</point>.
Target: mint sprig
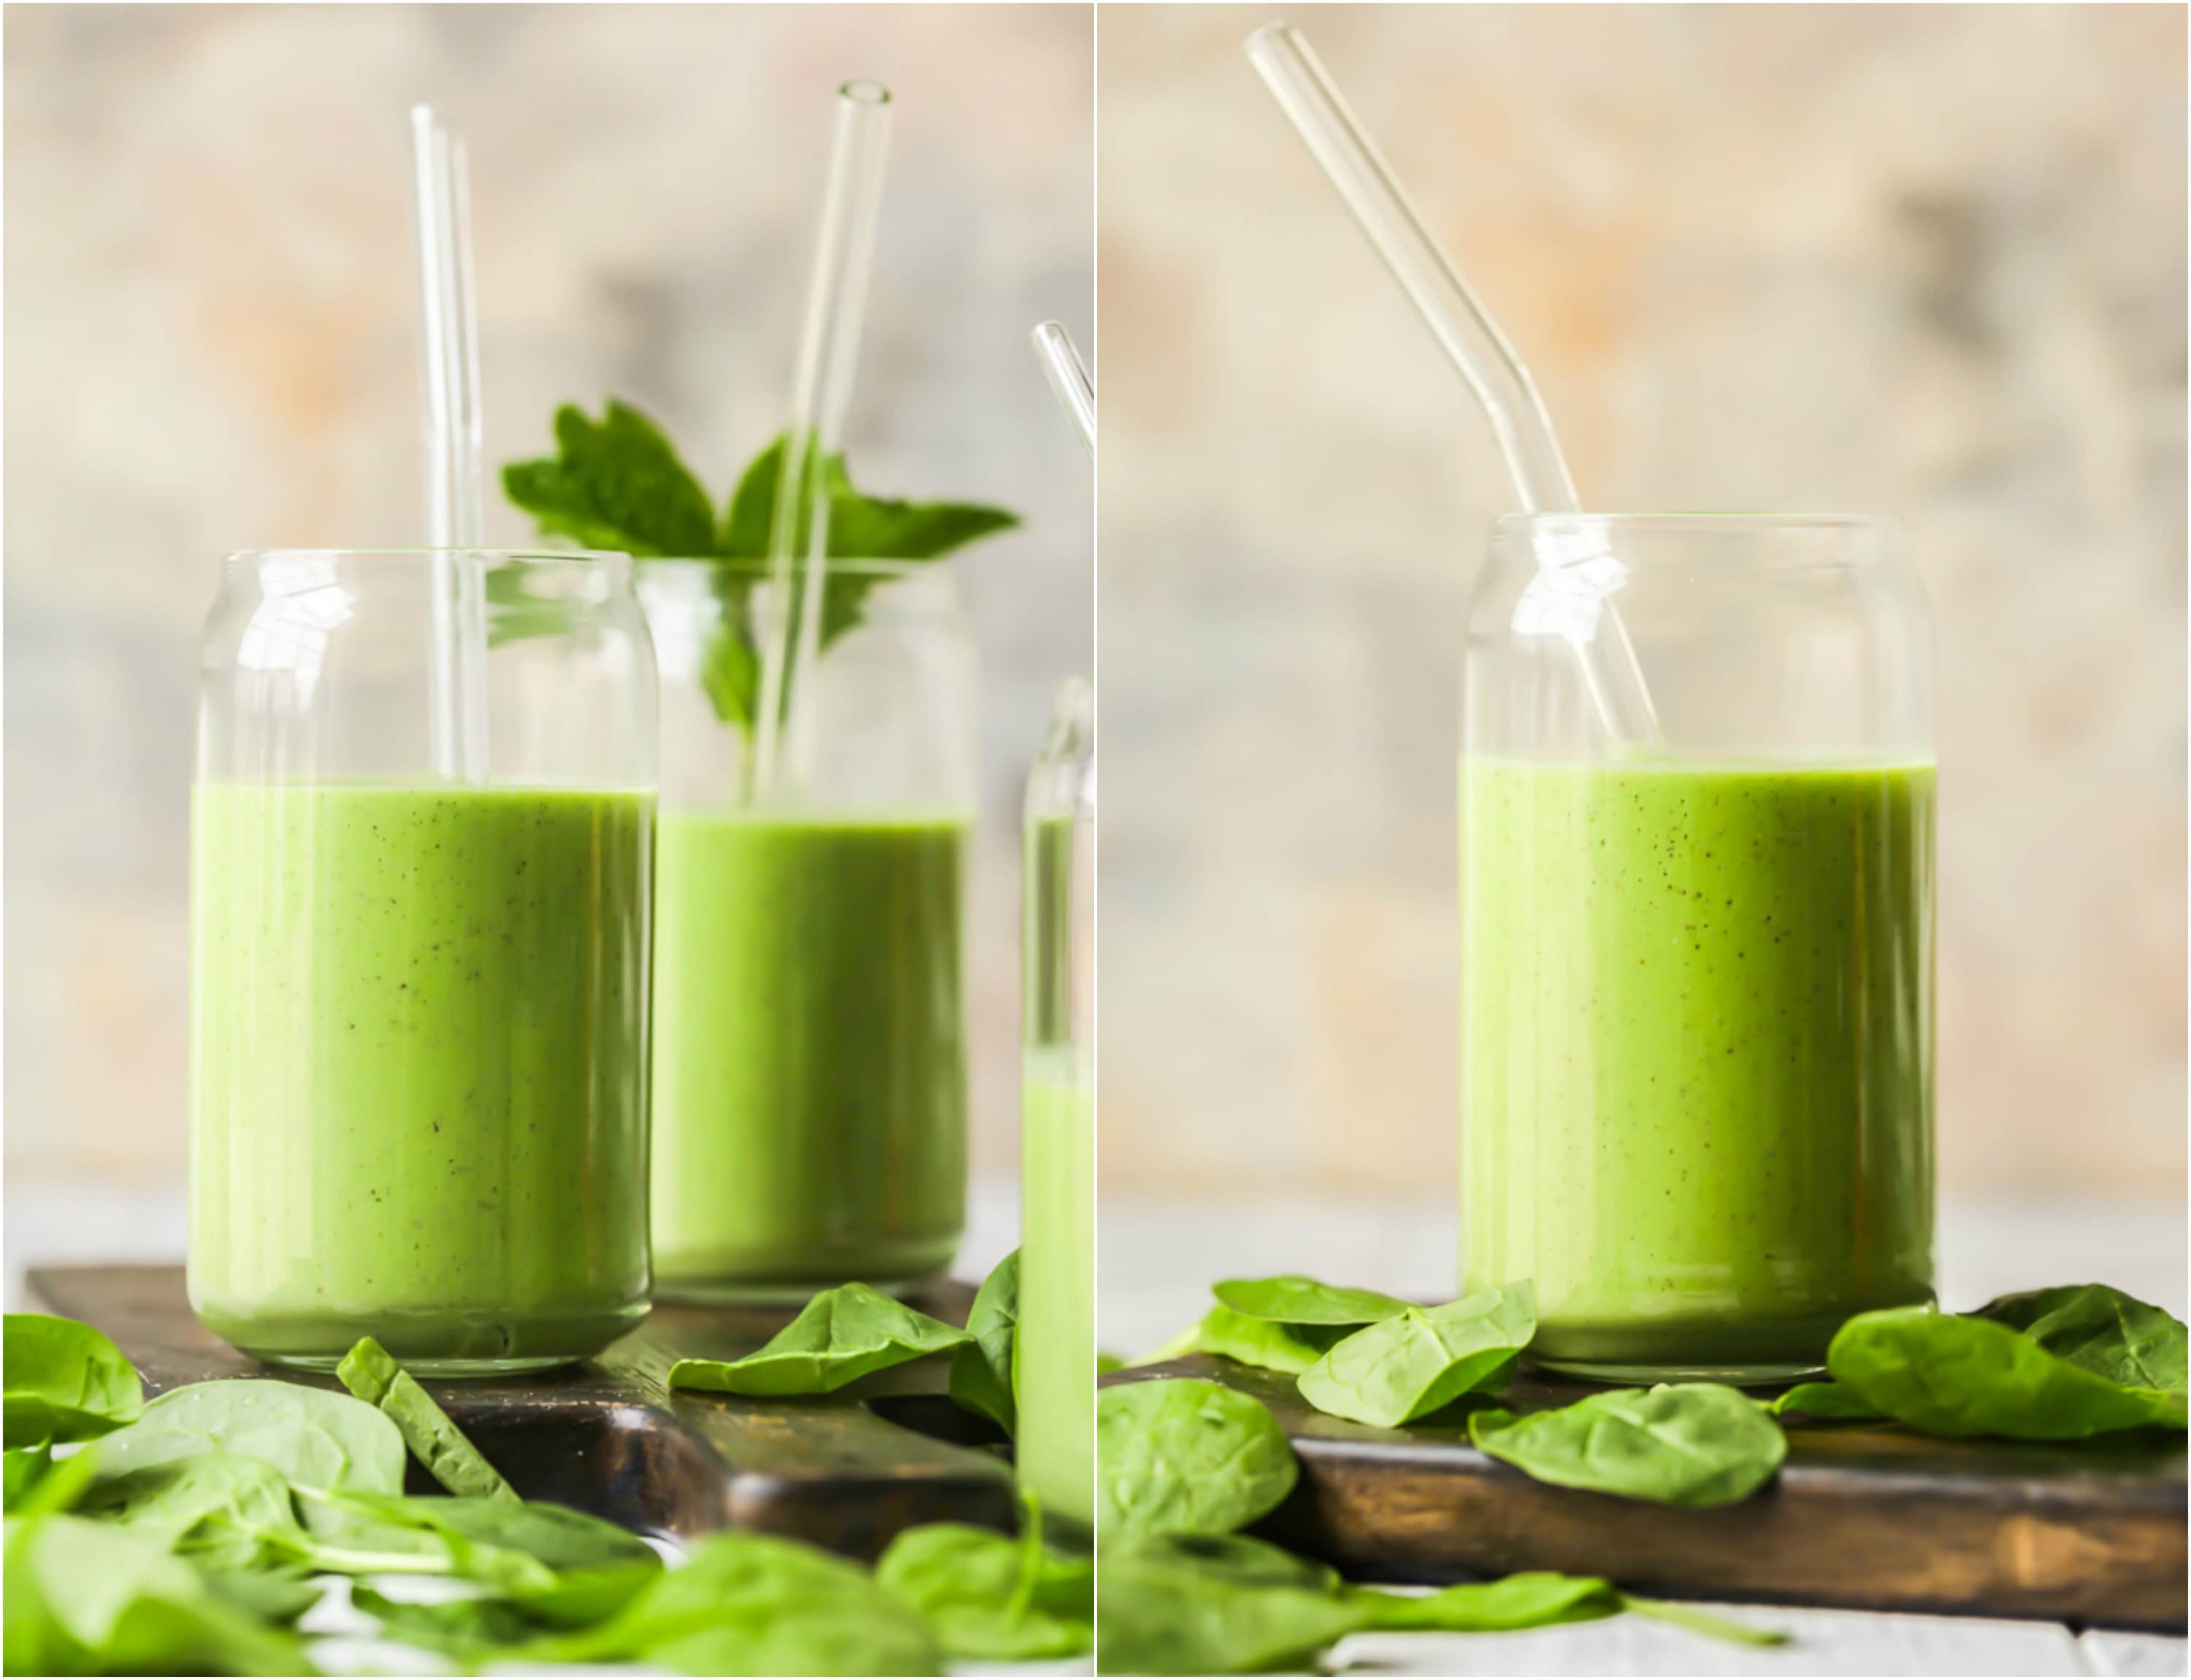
<point>619,482</point>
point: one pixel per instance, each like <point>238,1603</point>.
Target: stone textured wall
<point>1922,261</point>
<point>209,326</point>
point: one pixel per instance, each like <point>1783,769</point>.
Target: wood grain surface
<point>1863,1516</point>
<point>847,1472</point>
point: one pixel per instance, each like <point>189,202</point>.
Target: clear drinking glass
<point>810,1055</point>
<point>419,903</point>
<point>1054,1378</point>
<point>1697,982</point>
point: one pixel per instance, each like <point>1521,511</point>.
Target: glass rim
<point>605,559</point>
<point>1517,523</point>
<point>759,565</point>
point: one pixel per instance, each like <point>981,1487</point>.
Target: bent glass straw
<point>1068,379</point>
<point>1584,611</point>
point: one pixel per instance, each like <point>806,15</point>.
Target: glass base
<point>1764,1376</point>
<point>447,1369</point>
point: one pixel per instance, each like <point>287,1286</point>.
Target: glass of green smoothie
<point>1697,975</point>
<point>810,1040</point>
<point>418,964</point>
<point>1054,1372</point>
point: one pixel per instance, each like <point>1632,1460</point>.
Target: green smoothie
<point>809,1060</point>
<point>418,1096</point>
<point>1055,1375</point>
<point>1697,1043</point>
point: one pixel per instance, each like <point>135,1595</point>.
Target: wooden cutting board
<point>609,1437</point>
<point>1862,1516</point>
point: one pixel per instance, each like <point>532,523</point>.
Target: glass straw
<point>1069,378</point>
<point>440,207</point>
<point>836,302</point>
<point>1583,611</point>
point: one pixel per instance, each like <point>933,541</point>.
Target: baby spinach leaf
<point>86,1597</point>
<point>277,1593</point>
<point>470,1630</point>
<point>841,1335</point>
<point>1405,1367</point>
<point>315,1438</point>
<point>368,1372</point>
<point>615,483</point>
<point>1108,1362</point>
<point>527,1550</point>
<point>981,1370</point>
<point>1293,1299</point>
<point>2102,1329</point>
<point>745,1603</point>
<point>1211,1604</point>
<point>224,1510</point>
<point>1289,1348</point>
<point>1181,1455</point>
<point>1528,1600</point>
<point>1701,1622</point>
<point>989,1597</point>
<point>1822,1399</point>
<point>1949,1374</point>
<point>23,1468</point>
<point>61,1381</point>
<point>1678,1443</point>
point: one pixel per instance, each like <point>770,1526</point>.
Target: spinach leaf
<point>517,1548</point>
<point>22,1468</point>
<point>1698,1621</point>
<point>470,1630</point>
<point>1293,1299</point>
<point>989,1597</point>
<point>368,1372</point>
<point>981,1370</point>
<point>841,1335</point>
<point>86,1597</point>
<point>745,1603</point>
<point>1289,1348</point>
<point>1528,1600</point>
<point>224,1510</point>
<point>1948,1374</point>
<point>2102,1329</point>
<point>1406,1367</point>
<point>1181,1455</point>
<point>61,1381</point>
<point>1108,1362</point>
<point>1678,1443</point>
<point>1178,1604</point>
<point>1822,1399</point>
<point>315,1438</point>
<point>278,1593</point>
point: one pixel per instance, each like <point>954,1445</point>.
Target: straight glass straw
<point>1319,112</point>
<point>836,304</point>
<point>452,433</point>
<point>1069,378</point>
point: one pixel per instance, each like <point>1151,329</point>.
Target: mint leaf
<point>616,483</point>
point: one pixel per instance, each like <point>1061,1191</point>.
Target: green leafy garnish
<point>1822,1399</point>
<point>989,1597</point>
<point>841,1335</point>
<point>1949,1374</point>
<point>61,1381</point>
<point>1167,1604</point>
<point>314,1438</point>
<point>1678,1443</point>
<point>1291,1348</point>
<point>1404,1367</point>
<point>1293,1299</point>
<point>619,483</point>
<point>982,1369</point>
<point>368,1372</point>
<point>1181,1455</point>
<point>2100,1329</point>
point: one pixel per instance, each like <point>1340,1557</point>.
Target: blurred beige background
<point>1927,262</point>
<point>210,323</point>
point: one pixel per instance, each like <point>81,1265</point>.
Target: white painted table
<point>1157,1257</point>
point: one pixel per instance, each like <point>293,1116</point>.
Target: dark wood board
<point>1862,1516</point>
<point>848,1471</point>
